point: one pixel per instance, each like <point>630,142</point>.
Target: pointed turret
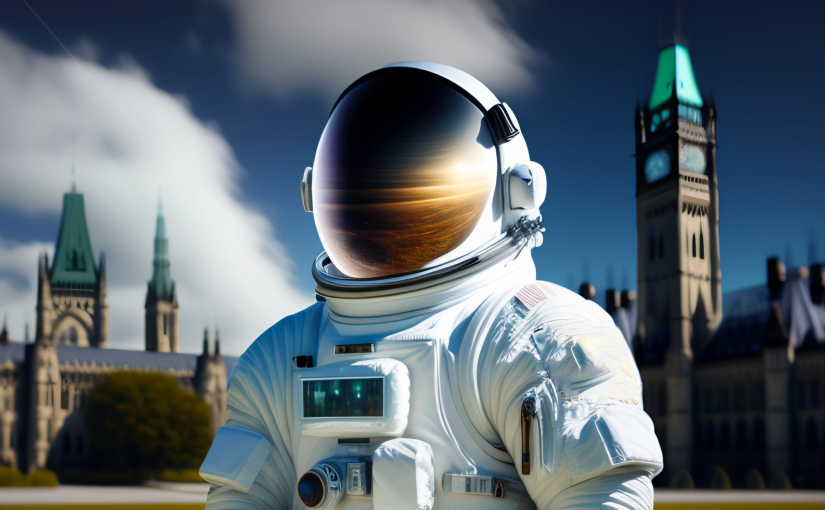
<point>45,308</point>
<point>210,380</point>
<point>101,306</point>
<point>161,301</point>
<point>4,333</point>
<point>162,281</point>
<point>74,263</point>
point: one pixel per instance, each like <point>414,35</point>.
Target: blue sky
<point>571,71</point>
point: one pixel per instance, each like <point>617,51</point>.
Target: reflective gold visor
<point>403,172</point>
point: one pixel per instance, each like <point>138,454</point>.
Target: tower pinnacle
<point>161,275</point>
<point>161,299</point>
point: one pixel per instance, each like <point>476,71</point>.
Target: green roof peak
<point>73,263</point>
<point>676,69</point>
<point>162,281</point>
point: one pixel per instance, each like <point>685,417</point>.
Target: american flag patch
<point>535,293</point>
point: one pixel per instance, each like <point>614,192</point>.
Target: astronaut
<point>435,372</point>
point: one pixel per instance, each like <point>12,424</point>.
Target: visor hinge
<point>526,228</point>
<point>504,129</point>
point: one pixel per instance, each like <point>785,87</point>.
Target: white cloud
<point>321,46</point>
<point>133,140</point>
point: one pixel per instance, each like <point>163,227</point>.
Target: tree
<point>146,421</point>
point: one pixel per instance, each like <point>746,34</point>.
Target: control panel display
<point>343,398</point>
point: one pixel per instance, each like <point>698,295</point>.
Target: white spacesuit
<point>435,372</point>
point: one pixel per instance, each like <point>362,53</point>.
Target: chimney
<point>613,301</point>
<point>776,277</point>
<point>628,296</point>
<point>817,284</point>
<point>587,291</point>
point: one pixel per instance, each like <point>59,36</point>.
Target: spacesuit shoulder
<point>592,370</point>
<point>293,333</point>
<point>259,385</point>
<point>556,305</point>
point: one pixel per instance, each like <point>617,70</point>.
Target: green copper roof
<point>675,67</point>
<point>74,263</point>
<point>162,280</point>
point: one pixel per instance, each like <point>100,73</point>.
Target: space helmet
<point>419,170</point>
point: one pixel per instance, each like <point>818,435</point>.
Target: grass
<point>11,477</point>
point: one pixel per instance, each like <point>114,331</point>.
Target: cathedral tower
<point>71,310</point>
<point>161,299</point>
<point>677,215</point>
<point>71,305</point>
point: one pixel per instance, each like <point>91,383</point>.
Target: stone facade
<point>44,385</point>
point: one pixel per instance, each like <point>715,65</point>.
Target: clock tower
<point>677,219</point>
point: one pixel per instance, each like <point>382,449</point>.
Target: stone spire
<point>161,276</point>
<point>161,300</point>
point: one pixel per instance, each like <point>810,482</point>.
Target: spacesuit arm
<point>250,463</point>
<point>631,491</point>
<point>557,387</point>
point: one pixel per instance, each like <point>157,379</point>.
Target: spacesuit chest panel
<point>409,371</point>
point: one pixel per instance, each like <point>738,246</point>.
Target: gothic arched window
<point>758,435</point>
<point>710,436</point>
<point>64,395</point>
<point>811,434</point>
<point>740,436</point>
<point>652,247</point>
<point>694,245</point>
<point>701,245</point>
<point>724,436</point>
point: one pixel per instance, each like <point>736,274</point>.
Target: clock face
<point>692,158</point>
<point>657,165</point>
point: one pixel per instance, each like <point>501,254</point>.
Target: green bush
<point>780,481</point>
<point>145,421</point>
<point>42,478</point>
<point>718,478</point>
<point>754,480</point>
<point>682,480</point>
<point>180,476</point>
<point>11,477</point>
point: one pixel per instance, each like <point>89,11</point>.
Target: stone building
<point>44,385</point>
<point>740,392</point>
